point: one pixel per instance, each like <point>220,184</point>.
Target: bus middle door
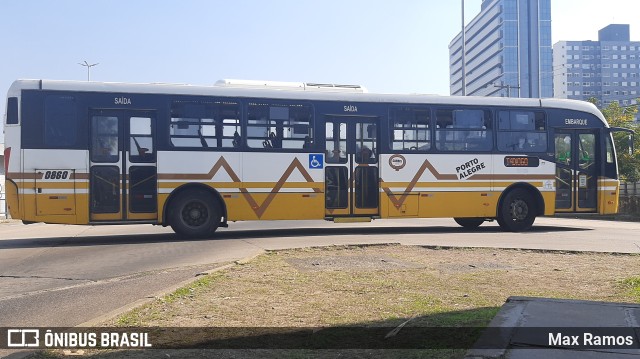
<point>123,174</point>
<point>352,187</point>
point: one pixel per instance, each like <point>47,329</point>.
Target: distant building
<point>508,51</point>
<point>607,69</point>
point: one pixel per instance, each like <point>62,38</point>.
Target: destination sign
<point>521,161</point>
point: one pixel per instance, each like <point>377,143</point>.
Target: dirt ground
<point>381,286</point>
<point>338,285</point>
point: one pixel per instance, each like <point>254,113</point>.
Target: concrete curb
<point>246,260</point>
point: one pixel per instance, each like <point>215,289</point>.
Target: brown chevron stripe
<point>397,202</point>
<point>221,163</point>
<point>257,209</point>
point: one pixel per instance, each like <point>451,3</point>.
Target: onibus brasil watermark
<point>48,338</point>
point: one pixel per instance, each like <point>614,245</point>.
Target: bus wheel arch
<point>187,190</point>
<point>523,198</point>
<point>469,223</point>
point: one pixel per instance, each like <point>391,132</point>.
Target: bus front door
<point>123,171</point>
<point>351,172</point>
<point>576,171</point>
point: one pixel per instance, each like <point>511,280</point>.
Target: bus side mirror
<point>631,133</point>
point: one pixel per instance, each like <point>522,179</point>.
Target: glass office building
<point>508,51</point>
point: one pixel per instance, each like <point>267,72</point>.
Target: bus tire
<point>195,213</point>
<point>469,223</point>
<point>517,211</point>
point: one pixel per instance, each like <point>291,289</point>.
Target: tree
<point>623,116</point>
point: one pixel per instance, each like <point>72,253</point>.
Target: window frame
<point>488,123</point>
<point>214,108</point>
<point>414,109</point>
<point>274,140</point>
<point>540,133</point>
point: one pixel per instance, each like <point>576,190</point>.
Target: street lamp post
<point>463,50</point>
<point>86,64</point>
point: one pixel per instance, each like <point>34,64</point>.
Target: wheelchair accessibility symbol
<point>316,161</point>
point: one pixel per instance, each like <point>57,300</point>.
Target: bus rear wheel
<point>194,213</point>
<point>517,211</point>
<point>469,223</point>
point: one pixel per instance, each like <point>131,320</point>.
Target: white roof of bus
<point>289,91</point>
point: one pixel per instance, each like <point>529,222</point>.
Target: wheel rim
<point>519,210</point>
<point>195,214</point>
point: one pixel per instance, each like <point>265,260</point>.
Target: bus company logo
<point>23,338</point>
<point>397,162</point>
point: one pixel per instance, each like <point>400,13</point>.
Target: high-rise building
<point>607,70</point>
<point>508,51</point>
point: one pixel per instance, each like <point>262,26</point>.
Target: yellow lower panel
<point>609,201</point>
<point>162,199</point>
<point>80,206</point>
<point>13,203</point>
<point>55,204</point>
<point>402,207</point>
<point>440,204</point>
<point>549,203</point>
<point>142,216</point>
<point>106,216</point>
<point>30,213</point>
<point>458,204</point>
<point>266,206</point>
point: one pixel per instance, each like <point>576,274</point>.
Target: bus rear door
<point>123,171</point>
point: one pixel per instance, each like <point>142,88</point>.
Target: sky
<point>398,46</point>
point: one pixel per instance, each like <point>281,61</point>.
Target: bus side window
<point>522,131</point>
<point>12,111</point>
<point>60,121</point>
<point>279,126</point>
<point>410,129</point>
<point>205,124</point>
<point>464,130</point>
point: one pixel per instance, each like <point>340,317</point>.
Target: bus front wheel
<point>194,213</point>
<point>469,223</point>
<point>517,211</point>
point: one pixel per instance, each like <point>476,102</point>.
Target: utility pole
<point>508,87</point>
<point>464,50</point>
<point>86,64</point>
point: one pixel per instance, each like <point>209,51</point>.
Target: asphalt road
<point>58,275</point>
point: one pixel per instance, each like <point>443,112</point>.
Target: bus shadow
<point>124,239</point>
<point>298,232</point>
<point>451,333</point>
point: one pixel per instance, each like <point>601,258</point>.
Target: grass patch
<point>380,286</point>
<point>632,285</point>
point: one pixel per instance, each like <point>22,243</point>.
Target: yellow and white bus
<point>198,157</point>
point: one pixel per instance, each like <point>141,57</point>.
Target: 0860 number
<point>56,174</point>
